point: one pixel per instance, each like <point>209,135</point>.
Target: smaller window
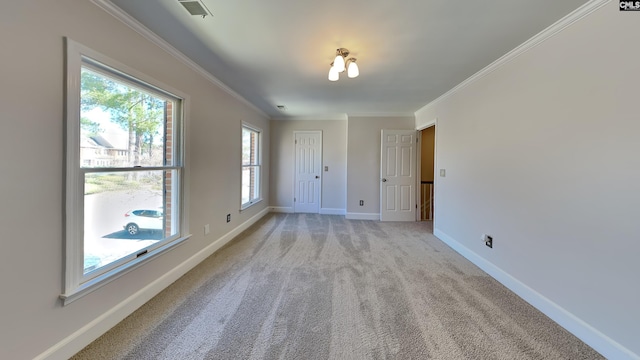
<point>250,166</point>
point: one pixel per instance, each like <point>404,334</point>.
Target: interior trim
<point>536,40</point>
<point>585,332</point>
<point>330,211</point>
<point>134,24</point>
<point>281,209</point>
<point>363,216</point>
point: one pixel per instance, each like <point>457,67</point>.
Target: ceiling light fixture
<point>341,63</point>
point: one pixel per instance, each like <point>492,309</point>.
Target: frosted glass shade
<point>333,74</point>
<point>352,70</point>
<point>338,63</point>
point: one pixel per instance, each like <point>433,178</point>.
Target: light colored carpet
<point>298,286</point>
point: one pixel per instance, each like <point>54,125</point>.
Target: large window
<point>124,170</point>
<point>250,166</point>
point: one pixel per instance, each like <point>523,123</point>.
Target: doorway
<point>307,171</point>
<point>426,204</point>
<point>398,175</point>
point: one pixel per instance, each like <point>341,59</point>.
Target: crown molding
<point>536,40</point>
<point>346,116</point>
<point>315,117</point>
<point>382,114</point>
<point>134,24</point>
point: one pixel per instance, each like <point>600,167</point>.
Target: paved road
<point>104,219</point>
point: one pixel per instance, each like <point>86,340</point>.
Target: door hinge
<point>296,141</point>
<point>294,199</point>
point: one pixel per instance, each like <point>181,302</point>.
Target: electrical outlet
<point>361,202</point>
<point>228,217</point>
<point>488,240</point>
<point>206,229</point>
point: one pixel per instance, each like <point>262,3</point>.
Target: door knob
<point>317,177</point>
<point>384,180</point>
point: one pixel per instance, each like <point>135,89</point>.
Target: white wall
<point>363,160</point>
<point>351,149</point>
<point>334,147</point>
<point>544,154</point>
<point>31,154</point>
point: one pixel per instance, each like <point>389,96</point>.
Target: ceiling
<point>409,52</point>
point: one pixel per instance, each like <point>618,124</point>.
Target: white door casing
<point>308,170</point>
<point>398,175</point>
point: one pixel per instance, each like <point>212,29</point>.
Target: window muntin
<point>124,158</point>
<point>251,167</point>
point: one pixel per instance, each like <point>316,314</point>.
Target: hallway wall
<point>542,153</point>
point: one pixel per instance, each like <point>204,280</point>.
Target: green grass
<point>97,183</point>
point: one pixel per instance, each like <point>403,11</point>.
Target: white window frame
<point>76,283</point>
<point>258,186</point>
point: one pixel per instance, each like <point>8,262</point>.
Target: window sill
<point>98,282</point>
<point>250,204</point>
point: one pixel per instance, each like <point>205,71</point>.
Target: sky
<point>109,130</point>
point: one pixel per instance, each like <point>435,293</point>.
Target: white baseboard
<point>281,209</point>
<point>330,211</point>
<point>585,332</point>
<point>88,333</point>
<point>363,216</point>
<point>323,211</point>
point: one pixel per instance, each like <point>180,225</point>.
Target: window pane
<point>249,147</point>
<point>250,165</point>
<point>125,212</point>
<point>246,146</point>
<point>254,186</point>
<point>246,184</point>
<point>250,186</point>
<point>122,125</point>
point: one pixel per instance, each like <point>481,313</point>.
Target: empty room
<point>204,179</point>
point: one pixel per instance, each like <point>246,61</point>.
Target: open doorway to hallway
<point>427,160</point>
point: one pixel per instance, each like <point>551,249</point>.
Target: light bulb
<point>352,70</point>
<point>338,63</point>
<point>333,74</point>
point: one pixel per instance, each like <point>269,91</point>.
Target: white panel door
<point>398,176</point>
<point>308,167</point>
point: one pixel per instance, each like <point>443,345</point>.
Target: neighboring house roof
<point>87,142</point>
<point>100,140</point>
<point>104,140</point>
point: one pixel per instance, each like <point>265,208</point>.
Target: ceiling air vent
<point>196,8</point>
<point>281,107</point>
